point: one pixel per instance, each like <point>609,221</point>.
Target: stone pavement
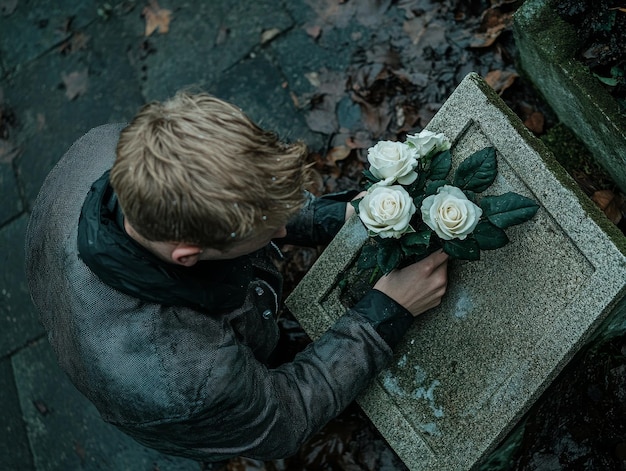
<point>254,53</point>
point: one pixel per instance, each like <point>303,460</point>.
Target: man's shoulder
<point>100,135</point>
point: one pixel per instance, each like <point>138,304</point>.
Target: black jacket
<point>186,378</point>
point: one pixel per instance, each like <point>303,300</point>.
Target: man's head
<point>195,169</point>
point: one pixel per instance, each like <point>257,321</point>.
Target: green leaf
<point>355,204</point>
<point>418,184</point>
<point>440,166</point>
<point>610,81</point>
<point>467,249</point>
<point>432,187</point>
<point>368,257</point>
<point>478,171</point>
<point>389,256</point>
<point>489,237</point>
<point>416,238</point>
<point>415,250</point>
<point>508,209</point>
<point>417,201</point>
<point>370,176</point>
<point>470,195</point>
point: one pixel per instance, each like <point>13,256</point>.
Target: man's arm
<point>319,220</point>
<point>250,410</point>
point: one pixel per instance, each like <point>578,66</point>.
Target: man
<point>149,259</point>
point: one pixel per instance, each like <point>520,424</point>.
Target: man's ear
<point>185,254</point>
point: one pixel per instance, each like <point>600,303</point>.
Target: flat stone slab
<point>14,452</point>
<point>19,323</point>
<point>466,372</point>
<point>9,195</point>
<point>65,430</point>
<point>205,39</point>
<point>48,121</point>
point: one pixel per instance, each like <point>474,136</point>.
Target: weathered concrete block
<point>467,371</point>
<point>547,48</point>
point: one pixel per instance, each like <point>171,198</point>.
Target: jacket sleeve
<point>319,221</point>
<point>252,411</point>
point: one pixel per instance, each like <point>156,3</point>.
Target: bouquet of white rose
<point>405,176</point>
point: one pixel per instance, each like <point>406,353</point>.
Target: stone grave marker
<point>467,371</point>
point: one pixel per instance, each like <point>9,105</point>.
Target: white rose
<point>450,214</point>
<point>427,141</point>
<point>387,210</point>
<point>393,161</point>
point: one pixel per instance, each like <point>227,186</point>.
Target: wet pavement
<point>66,67</point>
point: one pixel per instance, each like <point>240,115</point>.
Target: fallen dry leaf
<point>7,7</point>
<point>322,115</point>
<point>294,99</point>
<point>375,117</point>
<point>75,83</point>
<point>41,407</point>
<point>157,18</point>
<point>269,34</point>
<point>360,140</point>
<point>487,38</point>
<point>610,204</point>
<point>77,42</point>
<point>314,31</point>
<point>337,153</point>
<point>494,22</point>
<point>222,35</point>
<point>535,122</point>
<point>500,80</point>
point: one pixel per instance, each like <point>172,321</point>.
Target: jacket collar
<point>125,265</point>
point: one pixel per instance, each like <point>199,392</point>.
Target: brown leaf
<point>313,78</point>
<point>414,28</point>
<point>314,31</point>
<point>375,117</point>
<point>269,34</point>
<point>500,80</point>
<point>41,407</point>
<point>157,18</point>
<point>294,99</point>
<point>361,140</point>
<point>7,7</point>
<point>322,116</point>
<point>333,12</point>
<point>535,122</point>
<point>77,42</point>
<point>494,22</point>
<point>610,203</point>
<point>487,38</point>
<point>337,153</point>
<point>222,35</point>
<point>75,83</point>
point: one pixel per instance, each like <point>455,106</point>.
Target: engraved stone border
<point>516,353</point>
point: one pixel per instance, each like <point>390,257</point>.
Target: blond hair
<point>196,169</point>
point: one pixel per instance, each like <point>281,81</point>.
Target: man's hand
<point>418,287</point>
<point>349,208</point>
